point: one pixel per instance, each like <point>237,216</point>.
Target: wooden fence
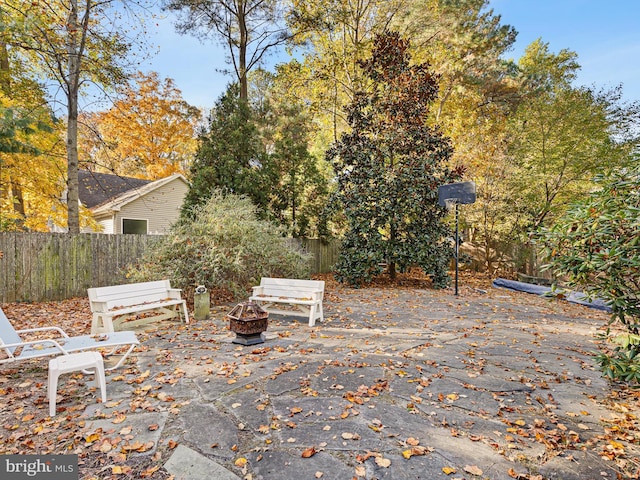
<point>37,267</point>
<point>324,254</point>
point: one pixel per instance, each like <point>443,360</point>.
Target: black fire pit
<point>248,321</point>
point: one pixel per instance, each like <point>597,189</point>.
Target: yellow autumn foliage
<point>149,133</point>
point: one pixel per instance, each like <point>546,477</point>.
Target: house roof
<point>102,192</point>
<point>97,188</point>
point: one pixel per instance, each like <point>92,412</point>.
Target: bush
<point>224,247</point>
<point>595,247</point>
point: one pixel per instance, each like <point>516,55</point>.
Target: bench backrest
<point>130,294</point>
<point>290,287</point>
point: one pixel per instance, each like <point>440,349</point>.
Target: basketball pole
<point>457,248</point>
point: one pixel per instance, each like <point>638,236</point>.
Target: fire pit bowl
<point>248,321</point>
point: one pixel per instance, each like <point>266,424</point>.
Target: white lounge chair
<point>17,349</point>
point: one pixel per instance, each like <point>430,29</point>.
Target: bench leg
<point>101,323</point>
<point>312,315</point>
<point>96,324</point>
<point>107,323</point>
<point>315,311</point>
<point>185,312</point>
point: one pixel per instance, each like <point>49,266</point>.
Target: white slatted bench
<point>303,296</point>
<point>119,305</point>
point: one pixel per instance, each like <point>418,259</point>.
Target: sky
<point>604,34</point>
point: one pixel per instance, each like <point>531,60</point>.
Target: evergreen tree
<point>298,197</point>
<point>388,170</point>
<point>230,157</point>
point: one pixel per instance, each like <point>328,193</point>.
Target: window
<point>134,226</point>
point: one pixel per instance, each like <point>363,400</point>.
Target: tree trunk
<point>392,241</point>
<point>5,77</point>
<point>392,271</point>
<point>242,25</point>
<point>4,88</point>
<point>73,82</point>
<point>18,203</point>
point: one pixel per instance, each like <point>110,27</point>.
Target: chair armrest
<point>36,342</point>
<point>98,306</point>
<point>257,290</point>
<point>44,329</point>
<point>175,293</point>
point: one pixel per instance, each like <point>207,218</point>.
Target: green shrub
<point>595,247</point>
<point>623,362</point>
<point>224,247</point>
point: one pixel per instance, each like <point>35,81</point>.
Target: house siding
<point>107,225</point>
<point>160,207</point>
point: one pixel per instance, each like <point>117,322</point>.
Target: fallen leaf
<point>120,470</point>
<point>309,452</point>
<point>473,470</point>
<point>163,397</point>
<point>119,418</point>
<point>92,438</point>
<point>448,470</point>
<point>383,462</point>
<point>150,471</point>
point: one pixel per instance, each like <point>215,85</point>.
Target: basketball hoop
<point>450,196</point>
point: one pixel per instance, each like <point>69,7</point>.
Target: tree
<point>30,167</point>
<point>230,157</point>
<point>72,42</point>
<point>30,151</point>
<point>595,247</point>
<point>561,136</point>
<point>466,45</point>
<point>389,168</point>
<point>149,133</point>
<point>300,188</point>
<point>249,29</point>
<point>335,36</point>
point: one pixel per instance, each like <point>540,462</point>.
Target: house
<point>132,205</point>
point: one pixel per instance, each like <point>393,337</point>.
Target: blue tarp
<point>573,297</point>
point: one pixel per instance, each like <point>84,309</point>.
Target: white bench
<point>119,305</point>
<point>304,296</point>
